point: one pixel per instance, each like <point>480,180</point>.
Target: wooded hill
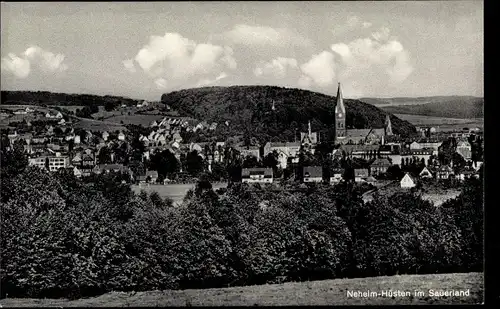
<point>249,110</point>
<point>62,99</point>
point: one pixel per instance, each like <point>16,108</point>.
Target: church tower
<point>388,126</point>
<point>340,129</point>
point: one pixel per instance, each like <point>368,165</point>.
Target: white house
<point>257,175</point>
<point>407,181</point>
<point>425,173</point>
<point>121,136</point>
<point>77,172</point>
<point>336,175</point>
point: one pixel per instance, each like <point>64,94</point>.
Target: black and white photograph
<point>233,153</point>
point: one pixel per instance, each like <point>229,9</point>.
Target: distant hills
<point>248,109</point>
<point>440,106</point>
<point>61,99</point>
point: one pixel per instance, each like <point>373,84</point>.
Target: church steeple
<point>339,105</point>
<point>388,126</point>
<point>340,128</point>
<point>309,129</point>
<point>272,107</point>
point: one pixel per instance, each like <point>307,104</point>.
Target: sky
<point>142,50</point>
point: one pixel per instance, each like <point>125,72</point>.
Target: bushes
<point>65,237</point>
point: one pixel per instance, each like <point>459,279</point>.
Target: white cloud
<point>47,60</point>
<point>305,81</point>
<point>353,21</point>
<point>21,67</point>
<point>276,68</point>
<point>206,81</point>
<point>382,34</point>
<point>380,53</point>
<point>161,83</point>
<point>263,35</point>
<point>176,59</point>
<point>320,69</point>
<point>129,65</point>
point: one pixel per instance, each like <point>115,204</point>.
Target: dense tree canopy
<point>63,236</point>
<point>248,109</point>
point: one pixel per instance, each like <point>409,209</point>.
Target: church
<point>343,135</point>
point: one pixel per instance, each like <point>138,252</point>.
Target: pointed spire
<point>388,126</point>
<point>309,128</point>
<point>339,106</point>
<point>273,107</point>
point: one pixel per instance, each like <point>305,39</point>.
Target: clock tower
<point>340,129</point>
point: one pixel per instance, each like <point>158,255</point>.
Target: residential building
<point>246,151</point>
<point>336,175</point>
<point>77,172</point>
<point>285,150</point>
<point>360,174</point>
<point>54,162</point>
<point>257,175</point>
<point>425,173</point>
<point>408,181</point>
<point>88,162</point>
<point>312,174</point>
<point>379,166</point>
<point>444,172</point>
<point>417,154</point>
<point>121,136</point>
<point>153,175</point>
<point>426,144</point>
<point>464,149</point>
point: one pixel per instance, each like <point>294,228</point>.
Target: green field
<point>144,120</point>
<point>443,123</point>
<point>96,125</point>
<point>175,191</point>
<point>72,108</point>
<point>326,292</point>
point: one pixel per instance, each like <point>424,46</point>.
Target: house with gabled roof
<point>444,172</point>
<point>336,175</point>
<point>312,174</point>
<point>408,181</point>
<point>425,173</point>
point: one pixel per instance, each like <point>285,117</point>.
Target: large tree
<point>164,162</point>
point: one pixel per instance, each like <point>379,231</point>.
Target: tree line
<point>65,237</point>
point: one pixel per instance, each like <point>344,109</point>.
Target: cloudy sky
<point>141,50</point>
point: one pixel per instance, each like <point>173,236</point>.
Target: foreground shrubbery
<point>66,237</point>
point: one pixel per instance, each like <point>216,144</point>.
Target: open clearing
<point>175,191</point>
<point>144,120</point>
<point>326,292</point>
<point>96,125</point>
<point>442,123</point>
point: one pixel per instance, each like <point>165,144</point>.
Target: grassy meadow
<point>313,293</point>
